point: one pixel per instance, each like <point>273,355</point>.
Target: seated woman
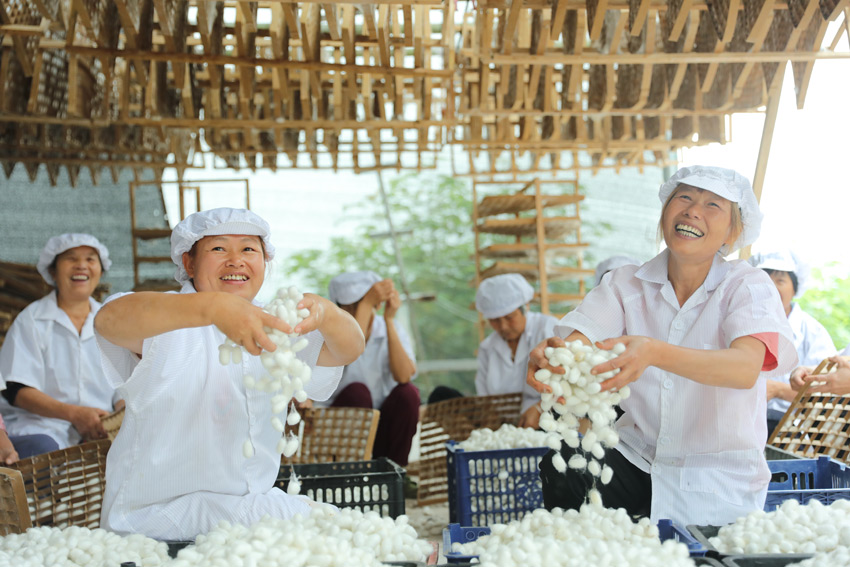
<point>381,377</point>
<point>811,339</point>
<point>176,468</point>
<point>701,335</point>
<point>55,384</point>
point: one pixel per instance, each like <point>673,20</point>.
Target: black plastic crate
<point>376,485</point>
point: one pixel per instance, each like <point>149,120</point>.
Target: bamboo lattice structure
<point>525,86</point>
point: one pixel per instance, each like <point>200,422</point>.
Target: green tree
<point>828,301</point>
<point>437,256</point>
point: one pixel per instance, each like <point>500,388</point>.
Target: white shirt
<point>43,350</point>
<point>846,351</point>
<point>176,468</point>
<point>813,344</point>
<point>701,444</point>
<point>372,368</point>
<point>498,373</point>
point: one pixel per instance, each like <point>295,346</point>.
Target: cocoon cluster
<point>287,375</point>
<point>839,557</point>
<point>791,528</point>
<point>583,397</point>
<point>325,538</point>
<point>506,437</point>
<point>79,547</point>
<point>591,536</point>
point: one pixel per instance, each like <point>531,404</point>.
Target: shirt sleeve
<point>599,316</point>
<point>324,379</point>
<point>754,307</point>
<point>21,358</point>
<point>819,344</point>
<point>118,362</point>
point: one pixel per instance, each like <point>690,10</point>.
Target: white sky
<point>805,200</point>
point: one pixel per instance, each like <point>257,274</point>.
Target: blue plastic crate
<point>455,533</point>
<point>822,479</point>
<point>478,497</point>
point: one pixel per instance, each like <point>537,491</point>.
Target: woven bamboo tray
<point>65,488</point>
<point>529,250</point>
<point>532,272</point>
<point>112,423</point>
<point>14,516</point>
<point>335,435</point>
<point>815,424</point>
<point>500,204</point>
<point>455,420</point>
<point>554,227</point>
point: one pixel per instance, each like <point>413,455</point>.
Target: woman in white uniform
<point>701,335</point>
<point>503,356</point>
<point>55,384</point>
<point>811,339</point>
<point>176,468</point>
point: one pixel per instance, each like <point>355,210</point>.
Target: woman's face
<point>785,287</point>
<point>696,223</point>
<point>234,263</point>
<point>511,326</point>
<point>77,273</point>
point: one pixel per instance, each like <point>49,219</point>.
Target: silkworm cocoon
<point>224,354</point>
<point>619,349</point>
<point>281,445</point>
<point>577,462</point>
<point>300,345</point>
<point>607,474</point>
<point>624,392</point>
<point>596,359</point>
<point>547,352</point>
<point>594,388</point>
<point>236,354</point>
<point>291,446</point>
<point>277,423</point>
<point>594,468</point>
<point>553,442</point>
<point>543,375</point>
<point>595,497</point>
<point>297,384</point>
<point>559,464</point>
<point>303,313</point>
<point>293,418</point>
<point>247,449</point>
<point>306,374</point>
<point>300,396</point>
<point>598,451</point>
<point>503,475</point>
<point>249,381</point>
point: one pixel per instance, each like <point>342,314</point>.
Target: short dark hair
<point>791,275</point>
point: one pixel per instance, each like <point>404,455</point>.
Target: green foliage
<point>828,301</point>
<point>437,258</point>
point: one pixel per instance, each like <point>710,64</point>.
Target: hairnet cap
<point>215,222</point>
<point>728,184</point>
<point>500,295</point>
<point>783,261</point>
<point>350,287</point>
<point>612,263</point>
<point>58,244</point>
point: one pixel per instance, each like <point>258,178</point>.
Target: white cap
<point>58,244</point>
<point>500,295</point>
<point>783,261</point>
<point>612,263</point>
<point>728,184</point>
<point>350,287</point>
<point>215,222</point>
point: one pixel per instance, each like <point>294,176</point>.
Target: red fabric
<point>771,343</point>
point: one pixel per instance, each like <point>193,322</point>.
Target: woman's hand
<point>638,356</point>
<point>87,422</point>
<point>836,382</point>
<point>537,361</point>
<point>531,417</point>
<point>244,323</point>
<point>8,454</point>
<point>315,304</point>
<point>798,377</point>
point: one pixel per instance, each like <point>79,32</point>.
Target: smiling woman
<point>50,360</point>
<point>188,417</point>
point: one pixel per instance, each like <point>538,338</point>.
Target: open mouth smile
<point>688,231</point>
<point>80,278</point>
<point>235,278</point>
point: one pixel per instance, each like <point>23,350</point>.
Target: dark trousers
<point>630,487</point>
<point>36,444</point>
<point>399,416</point>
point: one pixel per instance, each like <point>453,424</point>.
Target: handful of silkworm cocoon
<point>506,437</point>
<point>79,547</point>
<point>791,528</point>
<point>287,375</point>
<point>593,535</point>
<point>838,557</point>
<point>325,537</point>
<point>583,397</point>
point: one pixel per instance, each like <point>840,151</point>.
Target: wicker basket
<point>335,435</point>
<point>112,423</point>
<point>22,12</point>
<point>554,227</point>
<point>455,420</point>
<point>65,488</point>
<point>14,516</point>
